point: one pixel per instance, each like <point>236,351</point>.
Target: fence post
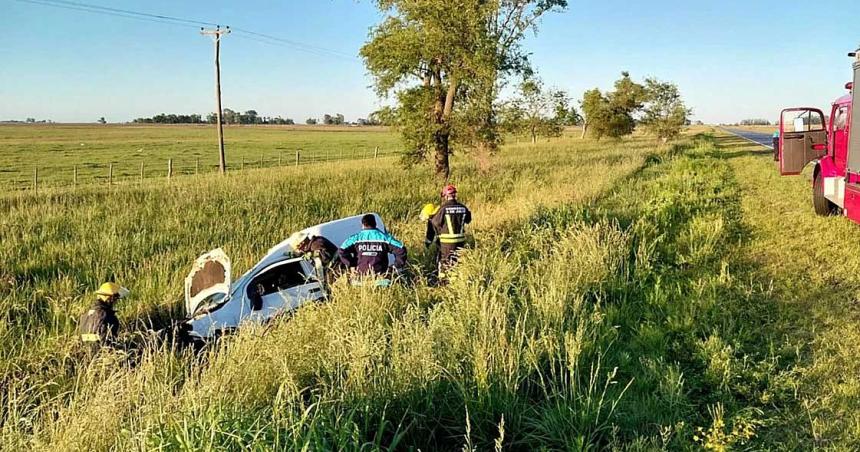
<point>376,153</point>
<point>110,174</point>
<point>298,152</point>
<point>197,166</point>
<point>141,172</point>
<point>169,168</point>
<point>36,179</point>
<point>75,176</point>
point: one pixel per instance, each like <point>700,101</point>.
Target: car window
<point>278,279</point>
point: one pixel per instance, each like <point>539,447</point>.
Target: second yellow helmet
<point>109,290</point>
<point>428,211</point>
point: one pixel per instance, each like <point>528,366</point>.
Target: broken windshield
<point>210,303</point>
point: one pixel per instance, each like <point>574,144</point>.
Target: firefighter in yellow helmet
<point>100,325</point>
<point>427,213</point>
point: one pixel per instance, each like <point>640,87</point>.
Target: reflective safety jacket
<point>99,324</point>
<point>367,252</point>
<point>450,223</point>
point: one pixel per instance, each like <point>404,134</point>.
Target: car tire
<point>822,205</point>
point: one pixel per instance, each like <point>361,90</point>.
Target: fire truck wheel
<point>822,205</point>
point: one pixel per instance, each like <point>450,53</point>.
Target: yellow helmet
<point>428,211</point>
<point>110,290</point>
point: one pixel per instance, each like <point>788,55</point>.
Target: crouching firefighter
<point>449,228</point>
<point>321,251</point>
<point>100,325</point>
<point>367,252</point>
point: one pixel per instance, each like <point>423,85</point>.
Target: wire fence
<point>139,170</point>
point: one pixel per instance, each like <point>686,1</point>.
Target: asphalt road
<point>764,139</point>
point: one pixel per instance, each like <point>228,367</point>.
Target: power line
<point>158,18</point>
<point>299,45</point>
<point>171,20</point>
<point>294,47</point>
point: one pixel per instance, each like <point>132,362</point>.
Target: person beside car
<point>449,223</point>
<point>99,325</point>
<point>366,252</point>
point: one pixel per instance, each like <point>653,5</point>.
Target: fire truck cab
<point>805,136</point>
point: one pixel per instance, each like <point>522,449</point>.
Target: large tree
<point>612,114</point>
<point>443,61</point>
<point>665,114</point>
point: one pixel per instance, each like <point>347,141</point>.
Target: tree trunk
<point>584,129</point>
<point>442,112</point>
<point>534,136</point>
<point>442,153</point>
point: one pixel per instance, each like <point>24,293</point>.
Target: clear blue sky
<point>732,59</point>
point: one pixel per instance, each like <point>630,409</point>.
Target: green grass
<point>619,296</point>
<point>56,149</point>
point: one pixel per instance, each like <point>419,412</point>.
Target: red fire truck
<point>805,136</point>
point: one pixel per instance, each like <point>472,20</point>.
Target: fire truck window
<point>841,119</point>
<point>802,121</point>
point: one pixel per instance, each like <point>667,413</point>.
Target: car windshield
<point>210,303</point>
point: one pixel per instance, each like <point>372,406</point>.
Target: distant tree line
<point>655,106</point>
<point>252,117</point>
<point>27,121</point>
<point>754,122</point>
<point>229,117</point>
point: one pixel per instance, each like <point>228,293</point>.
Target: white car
<point>279,283</point>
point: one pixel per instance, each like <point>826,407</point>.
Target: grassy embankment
<point>618,295</point>
<point>56,149</point>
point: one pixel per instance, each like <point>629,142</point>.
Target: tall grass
<point>351,370</point>
<point>607,303</point>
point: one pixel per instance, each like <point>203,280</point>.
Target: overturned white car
<point>279,283</point>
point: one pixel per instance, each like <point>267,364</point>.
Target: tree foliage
<point>611,114</point>
<point>442,61</point>
<point>333,120</point>
<point>538,111</point>
<point>664,113</point>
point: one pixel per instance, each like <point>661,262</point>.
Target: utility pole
<point>216,38</point>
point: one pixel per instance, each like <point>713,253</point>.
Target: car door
<point>207,285</point>
<point>802,138</point>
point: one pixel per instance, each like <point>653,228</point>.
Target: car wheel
<point>822,205</point>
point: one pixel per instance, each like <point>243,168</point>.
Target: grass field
<point>55,149</point>
<point>619,296</point>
